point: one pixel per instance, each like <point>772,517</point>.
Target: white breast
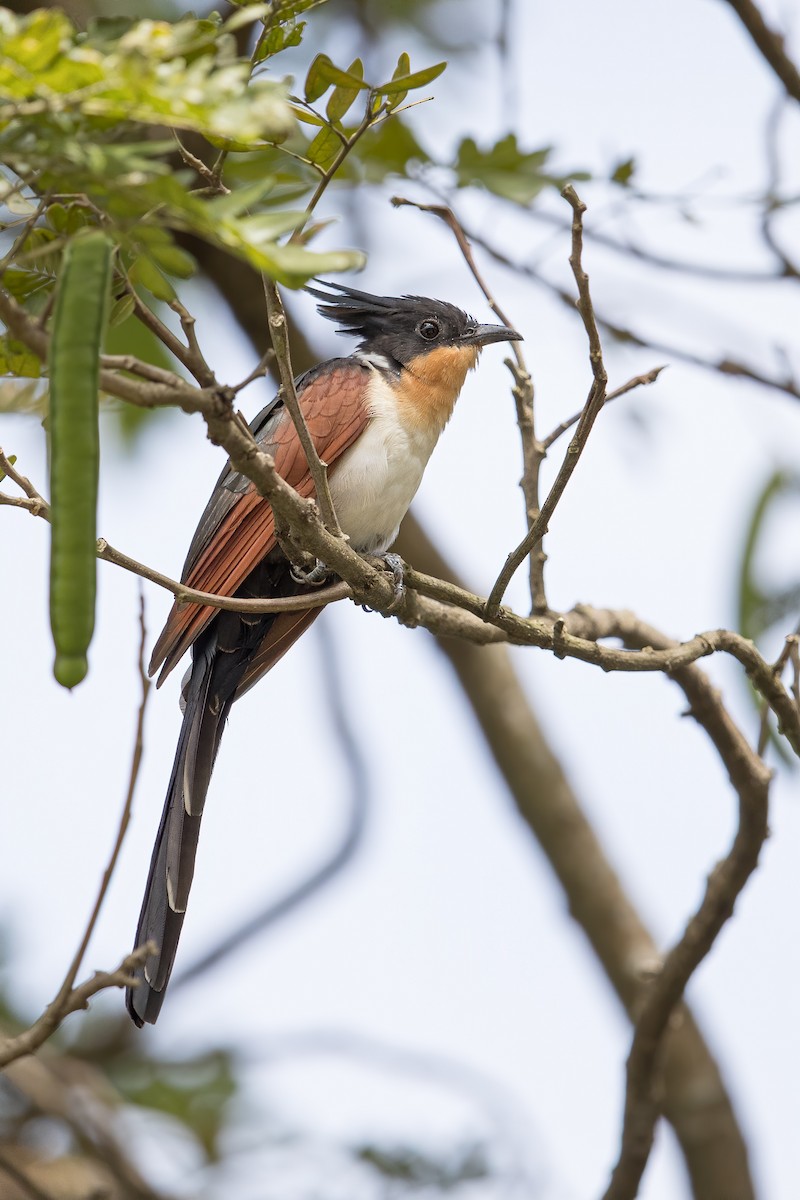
<point>374,482</point>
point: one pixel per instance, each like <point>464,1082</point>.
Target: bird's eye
<point>429,330</point>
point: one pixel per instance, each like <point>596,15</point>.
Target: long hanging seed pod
<point>79,322</point>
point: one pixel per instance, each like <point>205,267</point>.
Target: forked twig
<point>594,402</point>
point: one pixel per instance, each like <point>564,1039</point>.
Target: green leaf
<point>407,83</point>
<point>324,148</point>
<point>174,261</point>
<point>120,311</point>
<point>248,14</point>
<point>388,149</point>
<point>623,172</point>
<point>180,75</point>
<point>342,98</point>
<point>279,38</point>
<point>307,118</point>
<point>17,360</point>
<point>12,458</point>
<point>264,227</point>
<point>403,68</point>
<point>22,284</point>
<point>507,171</point>
<point>145,272</point>
<point>196,1092</point>
<point>322,74</point>
<point>241,199</point>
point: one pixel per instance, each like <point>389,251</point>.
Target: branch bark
<point>770,45</point>
<point>694,1098</point>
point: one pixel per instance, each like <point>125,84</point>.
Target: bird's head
<point>407,328</point>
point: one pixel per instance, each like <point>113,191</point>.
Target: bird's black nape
<point>390,324</point>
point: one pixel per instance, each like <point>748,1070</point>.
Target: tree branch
<point>280,344</point>
<point>694,1098</point>
<point>788,385</point>
<point>750,779</point>
<point>69,997</point>
<point>45,1026</point>
<point>591,410</point>
<point>533,451</point>
<point>449,610</point>
<point>769,44</point>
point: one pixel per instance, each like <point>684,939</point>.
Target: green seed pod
<point>79,323</point>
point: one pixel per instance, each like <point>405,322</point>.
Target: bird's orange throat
<point>430,385</point>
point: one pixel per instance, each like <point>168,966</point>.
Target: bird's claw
<point>314,576</point>
<point>395,564</point>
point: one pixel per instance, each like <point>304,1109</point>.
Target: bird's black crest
<point>388,324</point>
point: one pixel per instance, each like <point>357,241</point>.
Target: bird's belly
<point>374,482</point>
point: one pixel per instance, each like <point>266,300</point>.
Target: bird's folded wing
<point>333,403</point>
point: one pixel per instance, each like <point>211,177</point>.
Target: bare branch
<point>71,998</point>
<point>195,359</point>
<point>591,409</point>
<point>771,45</point>
<point>533,451</point>
<point>695,1100</point>
<point>750,778</point>
<point>280,344</point>
<point>788,385</point>
<point>137,366</point>
<point>31,1039</point>
<point>637,381</point>
<point>371,117</point>
<point>138,745</point>
<point>448,610</point>
<point>200,167</point>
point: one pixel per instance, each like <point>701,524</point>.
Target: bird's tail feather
<point>172,864</point>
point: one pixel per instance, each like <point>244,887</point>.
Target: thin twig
<point>137,366</point>
<point>188,356</point>
<point>370,118</point>
<point>258,372</point>
<point>533,451</point>
<point>591,409</point>
<point>199,368</point>
<point>788,654</point>
<point>771,45</point>
<point>37,506</point>
<point>69,997</point>
<point>197,164</point>
<point>138,745</point>
<point>31,1039</point>
<point>788,385</point>
<point>637,381</point>
<point>751,779</point>
<point>280,344</point>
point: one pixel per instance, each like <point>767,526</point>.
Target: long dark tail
<point>227,659</point>
<point>172,864</point>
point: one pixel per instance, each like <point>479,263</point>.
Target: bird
<point>375,418</point>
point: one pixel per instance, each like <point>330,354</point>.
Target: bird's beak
<point>484,334</point>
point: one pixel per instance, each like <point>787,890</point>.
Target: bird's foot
<point>395,565</point>
<point>314,576</point>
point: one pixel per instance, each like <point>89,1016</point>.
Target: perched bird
<point>375,418</point>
